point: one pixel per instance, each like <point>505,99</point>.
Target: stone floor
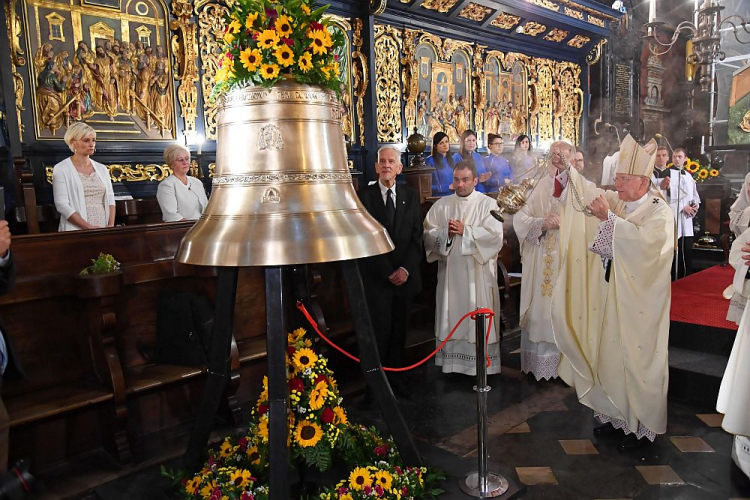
<point>540,437</point>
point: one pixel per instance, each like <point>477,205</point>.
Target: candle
<point>689,66</point>
<point>652,11</point>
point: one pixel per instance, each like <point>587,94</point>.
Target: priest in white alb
<point>734,393</point>
<point>610,305</point>
<point>464,239</point>
<point>536,226</point>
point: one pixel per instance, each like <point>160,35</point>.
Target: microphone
<point>609,126</point>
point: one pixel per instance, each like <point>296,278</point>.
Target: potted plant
<point>103,277</point>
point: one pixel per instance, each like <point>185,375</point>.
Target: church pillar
<point>370,100</point>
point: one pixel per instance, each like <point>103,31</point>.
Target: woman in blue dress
<point>496,165</point>
<point>467,151</point>
<point>442,162</point>
<point>522,160</point>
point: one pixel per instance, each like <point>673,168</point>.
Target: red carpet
<point>697,299</point>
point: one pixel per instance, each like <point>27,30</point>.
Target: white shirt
<point>384,192</point>
<point>178,201</point>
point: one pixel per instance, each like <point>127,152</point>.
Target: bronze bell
<point>282,192</point>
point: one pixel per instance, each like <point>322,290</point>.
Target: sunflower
<point>240,478</point>
<point>208,489</point>
<point>297,334</point>
<point>284,26</point>
<point>303,359</point>
<point>305,9</point>
<point>318,395</point>
<point>327,40</point>
<point>263,428</point>
<point>269,71</point>
<point>284,55</point>
<point>692,166</point>
<point>384,479</point>
<point>359,478</point>
<point>228,37</point>
<point>308,433</point>
<point>268,39</point>
<point>264,393</point>
<point>251,58</point>
<point>192,485</point>
<point>326,70</point>
<point>234,26</point>
<point>703,174</point>
<point>250,21</point>
<point>318,44</point>
<point>305,64</point>
<point>713,172</point>
<point>339,416</point>
<point>226,448</point>
<point>252,455</point>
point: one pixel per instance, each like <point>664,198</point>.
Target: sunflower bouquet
<point>700,172</point>
<point>222,482</point>
<point>385,481</point>
<point>268,39</point>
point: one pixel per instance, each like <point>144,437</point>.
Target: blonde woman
<point>81,186</point>
<point>180,196</point>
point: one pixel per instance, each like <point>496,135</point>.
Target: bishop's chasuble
<point>612,326</point>
<point>467,277</point>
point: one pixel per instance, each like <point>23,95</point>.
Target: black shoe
<point>604,430</point>
<point>630,442</point>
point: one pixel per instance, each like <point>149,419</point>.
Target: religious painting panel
<point>492,93</point>
<point>460,100</point>
<point>429,101</point>
<point>516,110</point>
<point>106,63</point>
<point>738,130</point>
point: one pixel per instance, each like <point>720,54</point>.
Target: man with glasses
<point>578,161</point>
<point>610,305</point>
<point>496,165</point>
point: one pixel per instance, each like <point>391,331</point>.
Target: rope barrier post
<point>482,484</point>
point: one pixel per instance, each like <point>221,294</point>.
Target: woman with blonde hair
<point>81,186</point>
<point>180,196</point>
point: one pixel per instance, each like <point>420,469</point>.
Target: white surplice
<point>467,277</point>
<point>539,259</point>
<point>739,221</point>
<point>613,335</point>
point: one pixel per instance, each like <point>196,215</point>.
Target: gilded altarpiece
<point>505,85</point>
<point>387,83</point>
<point>104,63</point>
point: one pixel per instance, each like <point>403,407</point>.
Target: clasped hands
<point>455,226</point>
<point>690,210</point>
<point>552,221</point>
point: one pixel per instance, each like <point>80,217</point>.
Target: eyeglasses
<point>496,144</point>
<point>186,159</point>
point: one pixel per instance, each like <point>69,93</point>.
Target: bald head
<point>561,155</point>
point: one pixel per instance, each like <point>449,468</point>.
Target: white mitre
<point>636,159</point>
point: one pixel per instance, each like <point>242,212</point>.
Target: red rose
<point>316,26</point>
<point>242,443</point>
<point>271,14</point>
<point>263,409</point>
<point>296,384</point>
<point>288,41</point>
<point>379,490</point>
<point>290,350</point>
<point>255,36</point>
<point>327,416</point>
<point>367,490</point>
<point>381,451</point>
<point>320,378</point>
<point>404,490</point>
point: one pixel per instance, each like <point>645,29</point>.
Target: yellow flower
<point>305,64</point>
<point>335,69</point>
<point>234,26</point>
<point>284,55</point>
<point>318,395</point>
<point>250,21</point>
<point>318,43</point>
<point>192,485</point>
<point>308,433</point>
<point>703,174</point>
<point>252,455</point>
<point>326,71</point>
<point>226,448</point>
<point>297,334</point>
<point>305,9</point>
<point>713,172</point>
<point>339,416</point>
<point>383,478</point>
<point>240,477</point>
<point>251,58</point>
<point>307,343</point>
<point>264,393</point>
<point>268,39</point>
<point>208,489</point>
<point>284,26</point>
<point>268,71</point>
<point>304,358</point>
<point>228,37</point>
<point>359,478</point>
<point>263,428</point>
<point>327,40</point>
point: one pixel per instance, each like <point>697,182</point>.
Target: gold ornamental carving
<point>588,10</point>
<point>505,21</point>
<point>578,41</point>
<point>377,7</point>
<point>544,90</point>
<point>478,80</point>
<point>13,24</point>
<point>387,83</point>
<point>439,5</point>
<point>556,35</point>
<point>185,48</point>
<point>532,28</point>
<point>547,4</point>
<point>570,104</point>
<point>360,76</point>
<point>595,53</point>
<point>211,31</point>
<point>475,12</point>
<point>595,20</point>
<point>410,78</point>
<point>151,172</point>
<point>575,14</point>
<point>195,170</point>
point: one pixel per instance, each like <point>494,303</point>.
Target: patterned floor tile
<point>659,474</point>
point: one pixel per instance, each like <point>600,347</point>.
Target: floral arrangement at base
<point>103,264</point>
<point>319,433</point>
<point>700,172</point>
<point>266,40</point>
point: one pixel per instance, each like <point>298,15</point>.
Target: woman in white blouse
<point>180,196</point>
<point>82,187</point>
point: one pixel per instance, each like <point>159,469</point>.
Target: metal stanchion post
<point>482,484</point>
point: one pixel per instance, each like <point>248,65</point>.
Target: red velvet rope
<point>472,314</point>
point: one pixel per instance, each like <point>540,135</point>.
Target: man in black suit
<point>391,280</point>
<point>8,365</point>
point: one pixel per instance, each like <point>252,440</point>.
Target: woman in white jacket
<point>180,196</point>
<point>82,187</point>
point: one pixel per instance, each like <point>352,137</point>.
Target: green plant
<point>103,264</point>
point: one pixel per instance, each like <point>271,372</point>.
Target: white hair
<point>76,132</point>
<point>392,148</point>
<point>174,149</point>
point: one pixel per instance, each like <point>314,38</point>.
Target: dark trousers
<point>684,257</point>
<point>390,321</point>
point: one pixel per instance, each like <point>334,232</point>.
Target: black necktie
<point>390,207</point>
